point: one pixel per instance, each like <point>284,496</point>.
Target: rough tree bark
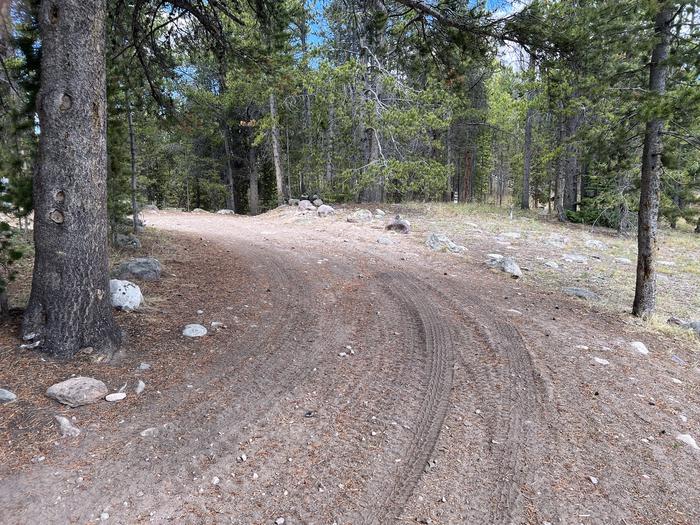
<point>253,198</point>
<point>527,153</point>
<point>276,153</point>
<point>132,150</point>
<point>647,247</point>
<point>69,307</point>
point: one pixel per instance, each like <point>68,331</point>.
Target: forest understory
<point>364,382</point>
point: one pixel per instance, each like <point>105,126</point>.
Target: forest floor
<point>359,382</point>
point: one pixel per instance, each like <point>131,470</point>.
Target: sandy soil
<point>363,383</point>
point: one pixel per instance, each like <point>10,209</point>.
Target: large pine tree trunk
<point>647,247</point>
<point>276,154</point>
<point>70,305</point>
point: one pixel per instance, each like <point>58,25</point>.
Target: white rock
<point>571,257</point>
<point>552,264</point>
<point>144,366</point>
<point>324,210</point>
<point>385,240</point>
<point>104,516</point>
<point>194,330</point>
<point>279,521</point>
<point>215,480</point>
<point>140,386</point>
<point>125,295</point>
<point>601,361</point>
<point>623,260</point>
<point>149,432</point>
<point>6,396</point>
<point>639,347</point>
<point>593,479</point>
<point>688,440</point>
<point>117,396</point>
<point>67,428</point>
<point>677,381</point>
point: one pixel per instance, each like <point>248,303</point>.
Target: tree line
<point>585,110</point>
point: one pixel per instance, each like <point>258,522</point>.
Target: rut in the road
<point>435,342</point>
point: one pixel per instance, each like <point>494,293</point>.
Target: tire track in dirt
<point>435,342</point>
<point>503,360</point>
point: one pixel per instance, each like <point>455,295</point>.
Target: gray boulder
<point>386,241</point>
<point>361,215</point>
<point>6,396</point>
<point>144,268</point>
<point>226,212</point>
<point>78,391</point>
<point>128,241</point>
<point>199,210</point>
<point>399,225</point>
<point>505,264</point>
<point>440,242</point>
<point>324,210</point>
<point>571,257</point>
<point>317,202</point>
<point>293,202</point>
<point>125,295</point>
<point>582,293</point>
<point>305,205</point>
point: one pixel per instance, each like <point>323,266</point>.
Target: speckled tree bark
<point>70,307</point>
<point>650,194</point>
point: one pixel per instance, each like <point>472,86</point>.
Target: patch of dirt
<point>356,383</point>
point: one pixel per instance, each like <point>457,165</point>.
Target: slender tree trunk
<point>231,199</point>
<point>527,153</point>
<point>132,149</point>
<point>253,199</point>
<point>330,143</point>
<point>560,180</point>
<point>69,307</point>
<point>645,291</point>
<point>276,153</point>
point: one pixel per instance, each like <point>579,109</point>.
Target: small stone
<point>194,330</point>
<point>104,516</point>
<point>242,457</point>
<point>386,241</point>
<point>688,440</point>
<point>601,361</point>
<point>6,396</point>
<point>67,428</point>
<point>200,312</point>
<point>279,521</point>
<point>593,479</point>
<point>581,293</point>
<point>215,480</point>
<point>144,366</point>
<point>677,381</point>
<point>596,244</point>
<point>552,265</point>
<point>140,386</point>
<point>342,354</point>
<point>255,475</point>
<point>117,396</point>
<point>569,257</point>
<point>216,325</point>
<point>623,260</point>
<point>639,347</point>
<point>149,432</point>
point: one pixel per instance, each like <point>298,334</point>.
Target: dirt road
<point>365,383</point>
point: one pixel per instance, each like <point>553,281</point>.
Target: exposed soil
<point>461,395</point>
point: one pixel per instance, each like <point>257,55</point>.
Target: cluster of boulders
<point>312,205</point>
